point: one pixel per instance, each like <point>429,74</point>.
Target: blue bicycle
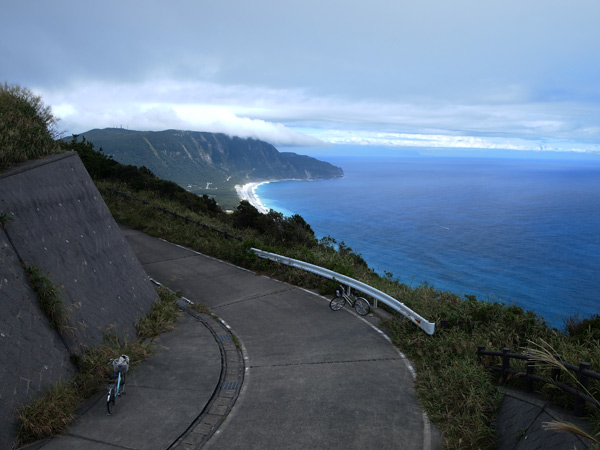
<point>116,388</point>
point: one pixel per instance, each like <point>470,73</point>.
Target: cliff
<point>207,163</point>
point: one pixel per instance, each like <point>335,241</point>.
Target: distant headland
<point>208,163</point>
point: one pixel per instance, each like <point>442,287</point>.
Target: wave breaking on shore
<point>248,192</point>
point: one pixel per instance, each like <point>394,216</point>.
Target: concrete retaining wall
<point>32,355</point>
<point>58,222</point>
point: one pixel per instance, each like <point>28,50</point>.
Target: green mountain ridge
<point>207,163</point>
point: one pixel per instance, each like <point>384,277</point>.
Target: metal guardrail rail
<point>422,323</point>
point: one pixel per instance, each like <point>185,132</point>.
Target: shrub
<point>27,127</point>
<point>245,216</point>
<point>584,330</point>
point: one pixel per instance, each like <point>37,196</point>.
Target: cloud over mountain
<point>288,70</point>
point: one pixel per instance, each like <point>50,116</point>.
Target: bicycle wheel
<point>362,306</point>
<point>337,303</point>
<point>110,401</point>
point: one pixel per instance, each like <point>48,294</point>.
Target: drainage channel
<point>226,391</point>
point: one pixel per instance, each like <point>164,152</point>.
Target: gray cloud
<point>517,69</point>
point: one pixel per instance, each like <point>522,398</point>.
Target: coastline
<point>248,192</point>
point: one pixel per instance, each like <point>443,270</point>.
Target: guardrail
<point>422,323</point>
<point>582,373</point>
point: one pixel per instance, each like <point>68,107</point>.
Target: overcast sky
<point>469,73</point>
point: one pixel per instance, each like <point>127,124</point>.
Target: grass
<point>162,316</point>
<point>49,298</point>
<point>27,127</point>
<point>458,394</point>
<point>200,308</point>
<point>542,352</point>
<point>459,397</point>
<point>53,411</point>
<point>49,414</point>
<point>92,364</point>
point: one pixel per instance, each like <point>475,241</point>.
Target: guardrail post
<point>505,363</point>
<point>480,349</point>
<point>555,373</point>
<point>582,378</point>
<point>528,379</point>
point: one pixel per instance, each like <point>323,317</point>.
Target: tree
<point>246,215</point>
<point>28,130</point>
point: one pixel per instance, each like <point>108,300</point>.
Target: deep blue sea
<point>522,231</point>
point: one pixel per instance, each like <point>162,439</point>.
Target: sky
<point>522,75</point>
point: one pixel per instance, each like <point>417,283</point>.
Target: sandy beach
<point>248,192</point>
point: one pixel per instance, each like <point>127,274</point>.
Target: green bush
<point>246,216</point>
<point>28,130</point>
<point>584,330</point>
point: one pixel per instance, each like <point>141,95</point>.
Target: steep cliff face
<point>200,161</point>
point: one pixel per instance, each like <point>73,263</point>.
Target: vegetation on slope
<point>102,167</point>
<point>207,163</point>
<point>48,295</point>
<point>28,130</point>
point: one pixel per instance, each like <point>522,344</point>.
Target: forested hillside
<point>207,163</point>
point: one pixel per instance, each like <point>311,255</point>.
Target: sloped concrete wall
<point>58,222</point>
<point>31,354</point>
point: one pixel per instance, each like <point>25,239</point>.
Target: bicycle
<point>115,390</point>
<point>360,304</point>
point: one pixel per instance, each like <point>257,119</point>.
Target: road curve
<point>313,378</point>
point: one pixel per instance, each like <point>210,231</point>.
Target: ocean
<point>521,230</point>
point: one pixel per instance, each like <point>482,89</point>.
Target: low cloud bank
<point>146,107</point>
<point>288,117</point>
<point>346,137</point>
